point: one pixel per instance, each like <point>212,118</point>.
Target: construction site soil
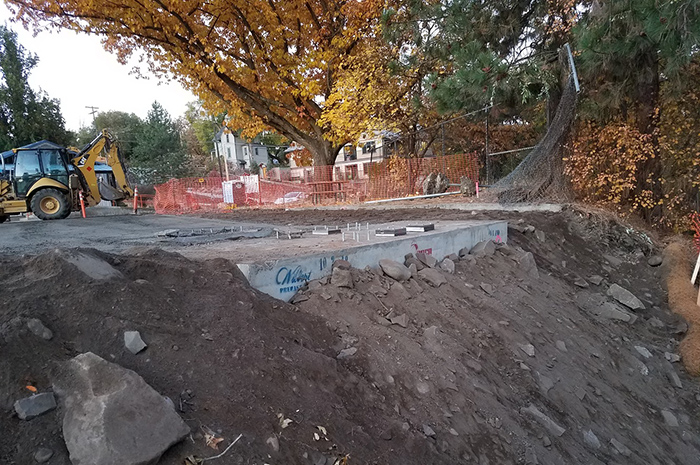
<point>500,364</point>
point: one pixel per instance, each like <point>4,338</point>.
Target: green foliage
<point>479,52</point>
<point>627,49</point>
<point>158,154</point>
<point>25,115</point>
<point>204,125</point>
<point>125,126</point>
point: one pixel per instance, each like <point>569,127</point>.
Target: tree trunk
<point>646,119</point>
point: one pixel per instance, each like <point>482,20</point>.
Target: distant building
<point>238,151</point>
<point>372,145</point>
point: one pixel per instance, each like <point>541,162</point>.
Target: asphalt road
<point>113,233</point>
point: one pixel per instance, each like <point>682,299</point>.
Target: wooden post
<point>695,271</point>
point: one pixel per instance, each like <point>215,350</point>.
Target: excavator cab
<point>35,164</point>
<point>48,180</point>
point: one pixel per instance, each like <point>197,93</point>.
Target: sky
<point>75,69</point>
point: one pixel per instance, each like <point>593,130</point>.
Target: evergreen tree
<point>25,115</point>
<point>158,154</point>
<point>477,52</point>
<point>125,126</point>
<point>628,49</point>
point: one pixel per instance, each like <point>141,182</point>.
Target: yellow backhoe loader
<point>48,180</point>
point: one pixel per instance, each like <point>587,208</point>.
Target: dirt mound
<point>682,298</point>
<point>469,360</point>
<point>494,366</point>
<point>230,358</point>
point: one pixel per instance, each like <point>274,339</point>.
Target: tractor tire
<point>4,218</point>
<point>50,204</point>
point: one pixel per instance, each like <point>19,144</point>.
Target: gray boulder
<point>112,417</point>
<point>467,187</point>
<point>656,260</point>
<point>427,260</point>
<point>441,183</point>
<point>429,184</point>
<point>483,249</point>
<point>527,263</point>
<point>432,277</point>
<point>415,262</point>
<point>32,407</point>
<point>448,265</point>
<point>395,269</point>
<point>625,297</point>
<point>342,278</point>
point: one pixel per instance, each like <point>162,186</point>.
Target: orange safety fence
<point>344,183</point>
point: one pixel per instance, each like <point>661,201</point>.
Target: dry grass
<point>682,297</point>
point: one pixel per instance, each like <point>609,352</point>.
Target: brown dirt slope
<point>682,298</point>
<point>449,387</point>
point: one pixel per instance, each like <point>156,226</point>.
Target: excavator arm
<point>84,162</point>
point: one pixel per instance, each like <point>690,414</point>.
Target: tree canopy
<point>158,154</point>
<point>266,64</point>
<point>25,115</point>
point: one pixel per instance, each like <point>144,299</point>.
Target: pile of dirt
<point>497,365</point>
<point>232,359</point>
<point>682,299</point>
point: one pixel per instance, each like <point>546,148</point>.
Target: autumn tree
<point>266,64</point>
<point>636,59</point>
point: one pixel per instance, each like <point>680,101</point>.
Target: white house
<point>372,145</point>
<point>238,151</point>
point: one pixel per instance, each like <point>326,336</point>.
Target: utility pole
<point>93,112</point>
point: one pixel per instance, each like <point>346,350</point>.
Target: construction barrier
<point>347,183</point>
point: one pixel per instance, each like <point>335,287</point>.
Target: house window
<point>256,152</point>
<point>227,141</point>
<point>365,169</point>
<point>352,174</point>
<point>228,149</point>
<point>368,147</point>
<point>349,153</point>
<point>246,152</point>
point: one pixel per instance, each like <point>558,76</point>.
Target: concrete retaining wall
<point>281,278</point>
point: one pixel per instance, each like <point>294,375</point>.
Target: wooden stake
<point>695,271</point>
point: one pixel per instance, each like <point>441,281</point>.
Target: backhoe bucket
<point>110,193</point>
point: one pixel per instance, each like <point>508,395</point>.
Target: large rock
<point>467,187</point>
<point>432,277</point>
<point>415,262</point>
<point>483,248</point>
<point>112,417</point>
<point>448,265</point>
<point>527,263</point>
<point>429,184</point>
<point>625,297</point>
<point>442,183</point>
<point>427,260</point>
<point>395,269</point>
<point>342,278</point>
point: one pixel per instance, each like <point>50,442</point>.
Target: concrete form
<point>283,276</point>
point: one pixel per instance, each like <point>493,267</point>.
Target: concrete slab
<point>313,257</point>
